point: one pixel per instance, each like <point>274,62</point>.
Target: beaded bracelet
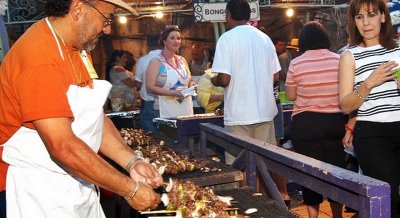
<point>348,128</point>
<point>134,191</point>
<point>359,95</point>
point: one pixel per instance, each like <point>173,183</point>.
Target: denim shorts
<point>147,114</point>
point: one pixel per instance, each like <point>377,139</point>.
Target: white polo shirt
<point>140,74</point>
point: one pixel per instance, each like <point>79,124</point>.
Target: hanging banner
<point>215,12</point>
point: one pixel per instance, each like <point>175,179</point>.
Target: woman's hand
<point>381,74</point>
<point>176,93</point>
<point>347,140</point>
<point>193,83</point>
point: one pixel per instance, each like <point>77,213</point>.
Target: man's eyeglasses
<point>108,21</point>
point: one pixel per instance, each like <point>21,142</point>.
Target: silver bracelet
<point>134,191</point>
<point>359,95</point>
<point>132,162</point>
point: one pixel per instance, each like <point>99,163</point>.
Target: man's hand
<point>145,198</point>
<point>214,81</point>
<point>146,173</point>
<point>221,79</point>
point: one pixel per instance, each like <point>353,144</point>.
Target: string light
<point>289,12</point>
<point>158,15</point>
<point>123,19</point>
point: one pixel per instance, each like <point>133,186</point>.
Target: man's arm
<point>138,74</point>
<point>276,76</point>
<point>78,159</point>
<point>114,147</point>
<point>138,85</point>
<point>221,79</point>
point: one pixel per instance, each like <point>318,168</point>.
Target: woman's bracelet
<point>132,162</point>
<point>134,191</point>
<point>348,128</point>
<point>358,94</point>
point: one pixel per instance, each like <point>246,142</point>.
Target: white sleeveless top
<point>383,102</point>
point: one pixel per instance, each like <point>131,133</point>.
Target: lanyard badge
<point>89,66</point>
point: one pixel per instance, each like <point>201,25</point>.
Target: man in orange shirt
<point>52,124</point>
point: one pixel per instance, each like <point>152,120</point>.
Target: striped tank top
<point>383,102</point>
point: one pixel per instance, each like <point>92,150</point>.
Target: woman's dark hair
<point>111,62</point>
<point>313,36</point>
<point>239,9</point>
<point>166,32</point>
<point>130,61</point>
<point>385,36</point>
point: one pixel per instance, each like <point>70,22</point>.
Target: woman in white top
<point>122,94</point>
<point>167,75</point>
<point>368,91</point>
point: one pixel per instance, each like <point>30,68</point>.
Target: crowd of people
<point>53,125</point>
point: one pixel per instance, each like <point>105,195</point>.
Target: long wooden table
<point>185,129</point>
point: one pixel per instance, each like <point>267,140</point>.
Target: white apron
<point>170,107</point>
<point>36,185</point>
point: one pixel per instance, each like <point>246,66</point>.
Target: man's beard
<point>89,46</point>
<point>84,36</point>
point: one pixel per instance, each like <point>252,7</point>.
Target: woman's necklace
<point>173,67</point>
<point>69,57</point>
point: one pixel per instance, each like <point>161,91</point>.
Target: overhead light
<point>123,19</point>
<point>158,15</point>
<point>289,12</point>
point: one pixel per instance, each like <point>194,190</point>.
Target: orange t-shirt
<point>34,81</point>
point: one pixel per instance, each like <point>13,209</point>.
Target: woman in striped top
<point>317,120</point>
<point>368,91</point>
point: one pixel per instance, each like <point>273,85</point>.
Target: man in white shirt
<point>147,112</point>
<point>247,66</point>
